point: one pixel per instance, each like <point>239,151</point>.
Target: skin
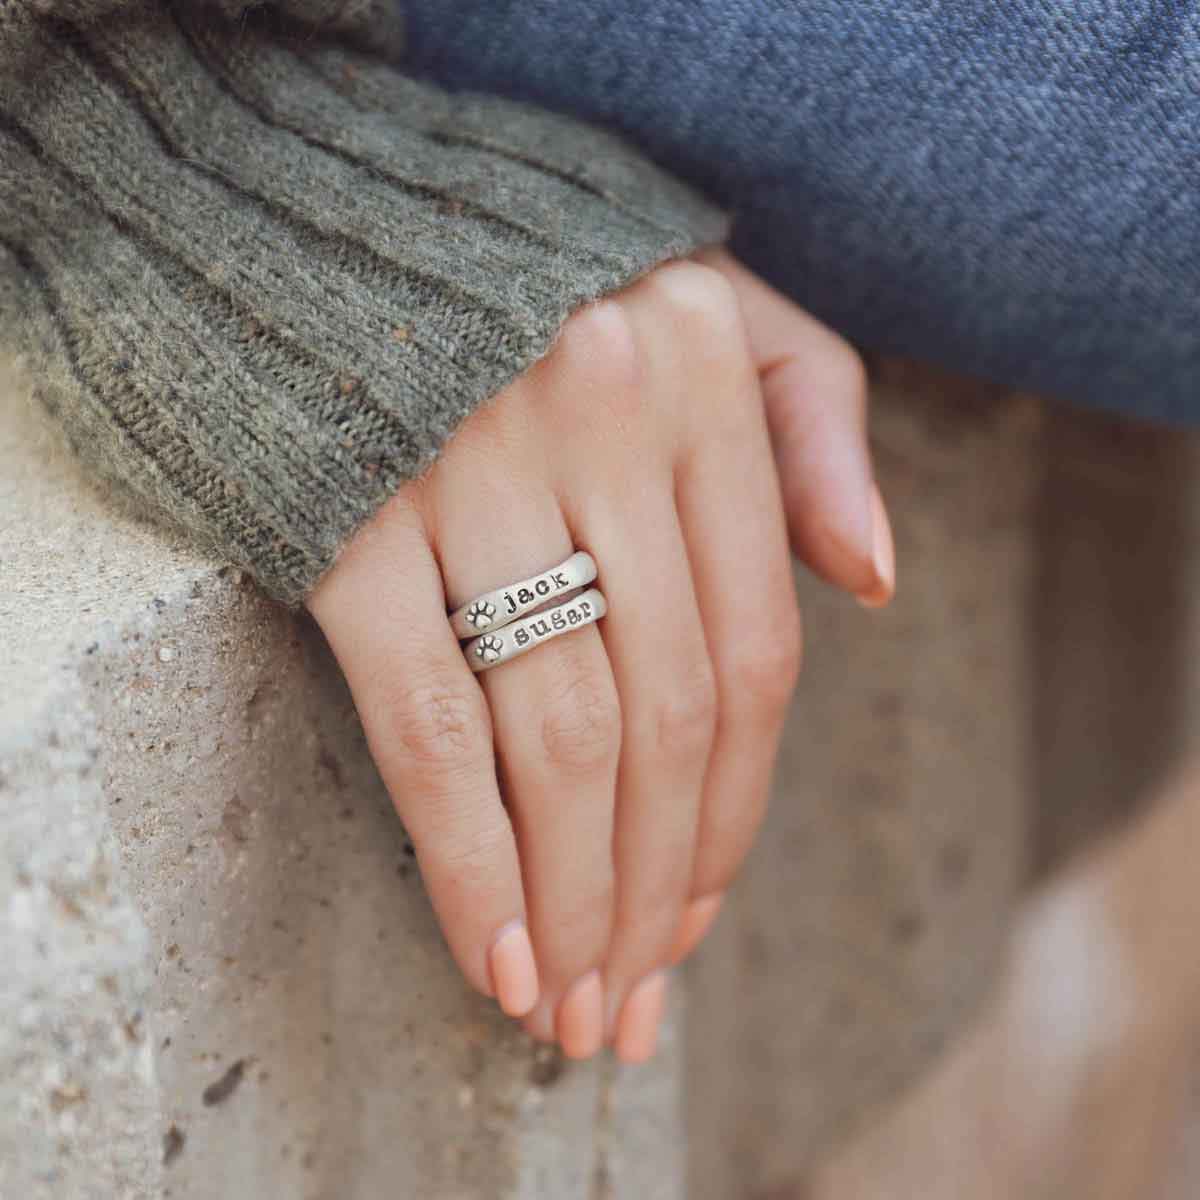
<point>594,788</point>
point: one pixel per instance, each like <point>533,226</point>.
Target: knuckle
<point>762,672</point>
<point>659,899</point>
<point>600,342</point>
<point>630,957</point>
<point>439,721</point>
<point>728,838</point>
<point>589,916</point>
<point>600,359</point>
<point>789,631</point>
<point>581,729</point>
<point>717,875</point>
<point>581,931</point>
<point>702,299</point>
<point>687,716</point>
<point>846,373</point>
<point>469,854</point>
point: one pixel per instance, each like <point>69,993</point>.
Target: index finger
<point>383,611</point>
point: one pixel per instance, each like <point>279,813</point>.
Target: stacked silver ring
<point>510,621</point>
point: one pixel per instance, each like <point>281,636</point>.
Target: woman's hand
<point>578,812</point>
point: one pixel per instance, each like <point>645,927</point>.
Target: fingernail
<point>637,1030</point>
<point>514,972</point>
<point>883,555</point>
<point>697,919</point>
<point>581,1017</point>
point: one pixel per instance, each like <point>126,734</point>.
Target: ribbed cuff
<point>271,276</point>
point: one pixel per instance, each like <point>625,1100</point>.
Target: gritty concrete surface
<point>1034,679</point>
<point>1117,627</point>
<point>78,1095</point>
<point>221,977</point>
<point>869,921</point>
<point>1078,1078</point>
<point>1080,1075</point>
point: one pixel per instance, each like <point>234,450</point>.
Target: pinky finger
<point>429,731</point>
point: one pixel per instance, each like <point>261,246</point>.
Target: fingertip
<point>883,556</point>
<point>825,474</point>
<point>581,1018</point>
<point>514,976</point>
<point>637,1029</point>
<point>832,542</point>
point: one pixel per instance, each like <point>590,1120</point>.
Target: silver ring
<point>494,610</point>
<point>491,649</point>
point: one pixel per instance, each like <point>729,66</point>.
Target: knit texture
<point>260,275</point>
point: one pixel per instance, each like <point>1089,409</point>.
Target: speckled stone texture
<point>221,976</point>
<point>1033,682</point>
<point>868,923</point>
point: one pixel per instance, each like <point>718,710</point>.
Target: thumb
<point>815,393</point>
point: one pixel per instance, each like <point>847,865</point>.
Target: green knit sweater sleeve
<point>260,275</point>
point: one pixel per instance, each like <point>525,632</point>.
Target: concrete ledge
<point>218,972</point>
<point>221,976</point>
<point>872,917</point>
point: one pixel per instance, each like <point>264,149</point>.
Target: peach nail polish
<point>581,1017</point>
<point>514,972</point>
<point>697,920</point>
<point>883,555</point>
<point>637,1028</point>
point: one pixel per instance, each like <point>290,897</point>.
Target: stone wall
<point>219,976</point>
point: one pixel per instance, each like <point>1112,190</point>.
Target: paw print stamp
<point>480,614</point>
<point>488,649</point>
